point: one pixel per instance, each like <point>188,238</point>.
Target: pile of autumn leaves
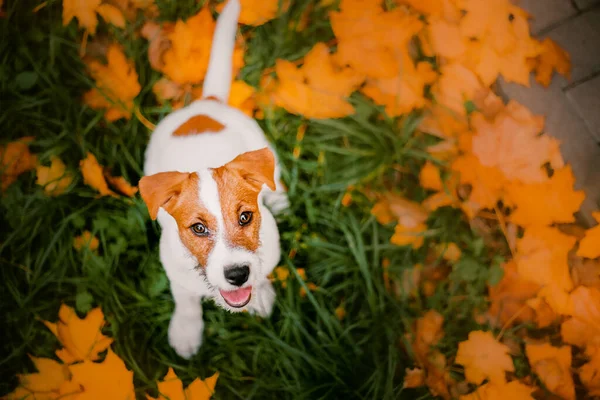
<point>77,376</point>
<point>436,56</point>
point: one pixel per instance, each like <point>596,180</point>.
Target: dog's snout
<point>237,274</point>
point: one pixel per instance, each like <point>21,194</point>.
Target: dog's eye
<point>199,229</point>
<point>245,218</point>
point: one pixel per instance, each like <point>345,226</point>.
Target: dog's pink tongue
<point>237,297</point>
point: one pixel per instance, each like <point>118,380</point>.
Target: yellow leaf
<point>86,239</point>
<point>430,177</point>
<point>484,358</point>
<point>85,11</point>
<point>81,338</point>
<point>413,378</point>
<point>121,185</point>
<point>111,14</point>
<point>93,175</point>
<point>551,58</point>
<point>116,85</point>
<point>109,379</point>
<point>500,391</point>
<point>50,376</point>
<point>15,159</point>
<point>202,389</point>
<point>553,366</point>
<point>257,12</point>
<point>54,178</point>
<point>589,246</point>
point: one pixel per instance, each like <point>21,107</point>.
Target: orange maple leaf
<point>514,390</point>
<point>589,246</point>
<point>257,12</point>
<point>487,183</point>
<point>413,378</point>
<point>404,92</point>
<point>81,338</point>
<point>542,257</point>
<point>54,178</point>
<point>456,85</point>
<point>186,59</point>
<point>318,89</point>
<point>93,175</point>
<point>545,203</point>
<point>116,85</point>
<point>116,381</point>
<point>86,11</point>
<point>508,298</point>
<point>158,36</point>
<point>49,378</point>
<point>171,388</point>
<point>370,39</point>
<point>511,143</point>
<point>429,177</point>
<point>15,158</point>
<point>442,122</point>
<point>583,328</point>
<point>484,358</point>
<point>551,58</point>
<point>86,240</point>
<point>589,373</point>
<point>553,366</point>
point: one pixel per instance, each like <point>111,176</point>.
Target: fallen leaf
<point>15,159</point>
<point>428,332</point>
<point>85,12</point>
<point>589,246</point>
<point>413,235</point>
<point>186,59</point>
<point>429,177</point>
<point>86,240</point>
<point>50,376</point>
<point>545,203</point>
<point>257,12</point>
<point>369,37</point>
<point>585,272</point>
<point>542,257</point>
<point>509,297</point>
<point>544,314</point>
<point>500,391</point>
<point>552,365</point>
<point>109,379</point>
<point>158,36</point>
<point>511,143</point>
<point>93,175</point>
<point>116,85</point>
<point>487,183</point>
<point>81,338</point>
<point>121,185</point>
<point>202,389</point>
<point>551,58</point>
<point>442,122</point>
<point>54,178</point>
<point>589,373</point>
<point>484,358</point>
<point>455,86</point>
<point>340,312</point>
<point>318,89</point>
<point>583,328</point>
<point>404,92</point>
<point>413,378</point>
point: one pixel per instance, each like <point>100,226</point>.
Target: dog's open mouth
<point>237,298</point>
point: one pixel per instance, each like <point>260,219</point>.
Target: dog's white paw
<point>185,334</point>
<point>262,305</point>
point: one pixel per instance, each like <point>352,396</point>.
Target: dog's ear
<point>159,189</point>
<point>256,167</point>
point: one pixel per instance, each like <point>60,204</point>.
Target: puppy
<point>209,176</point>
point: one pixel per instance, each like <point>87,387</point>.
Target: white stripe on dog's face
<point>223,253</point>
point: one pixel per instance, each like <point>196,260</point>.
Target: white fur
<point>198,153</point>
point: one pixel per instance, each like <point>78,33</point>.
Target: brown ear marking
<point>199,124</point>
<point>256,167</point>
<point>158,189</point>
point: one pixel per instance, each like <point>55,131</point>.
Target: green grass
<point>302,351</point>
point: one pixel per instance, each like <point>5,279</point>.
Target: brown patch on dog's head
<point>178,194</point>
<point>199,124</point>
<point>239,182</point>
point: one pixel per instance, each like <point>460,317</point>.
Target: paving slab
<point>580,36</point>
<point>546,13</point>
<point>585,98</point>
<point>563,122</point>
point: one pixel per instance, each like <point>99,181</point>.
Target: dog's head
<point>218,217</point>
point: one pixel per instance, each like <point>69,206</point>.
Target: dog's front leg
<point>186,326</point>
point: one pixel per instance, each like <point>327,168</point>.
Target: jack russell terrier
<point>210,175</point>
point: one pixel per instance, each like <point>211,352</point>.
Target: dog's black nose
<point>237,274</point>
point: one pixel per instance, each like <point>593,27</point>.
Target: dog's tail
<point>217,82</point>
